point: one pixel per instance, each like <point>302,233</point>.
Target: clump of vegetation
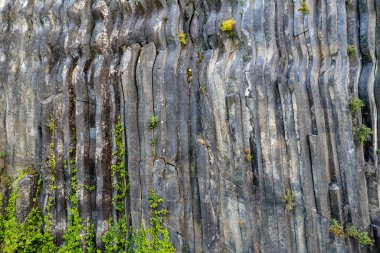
<point>116,238</point>
<point>356,104</point>
<point>248,155</point>
<point>52,163</point>
<point>228,27</point>
<point>360,236</point>
<point>336,229</point>
<point>304,9</point>
<point>51,124</point>
<point>26,236</point>
<point>202,89</point>
<point>76,226</point>
<point>3,154</point>
<point>201,57</point>
<point>89,188</point>
<point>153,143</point>
<point>118,168</point>
<point>355,233</point>
<point>182,38</point>
<point>363,134</point>
<point>351,50</point>
<point>290,199</point>
<point>156,238</point>
<point>153,121</point>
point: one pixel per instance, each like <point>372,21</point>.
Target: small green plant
<point>201,57</point>
<point>153,143</point>
<point>153,121</point>
<point>51,124</point>
<point>3,154</point>
<point>202,89</point>
<point>304,9</point>
<point>89,188</point>
<point>336,229</point>
<point>182,38</point>
<point>356,104</point>
<point>290,199</point>
<point>360,236</point>
<point>351,50</point>
<point>363,134</point>
<point>248,155</point>
<point>228,27</point>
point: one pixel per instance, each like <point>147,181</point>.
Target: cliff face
<point>255,148</point>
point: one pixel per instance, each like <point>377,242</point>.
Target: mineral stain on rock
<point>254,147</point>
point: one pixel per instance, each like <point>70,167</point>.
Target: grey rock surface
<point>278,89</point>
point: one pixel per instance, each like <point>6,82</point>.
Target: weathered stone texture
<point>279,88</point>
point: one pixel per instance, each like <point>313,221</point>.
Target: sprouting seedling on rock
<point>153,121</point>
<point>304,9</point>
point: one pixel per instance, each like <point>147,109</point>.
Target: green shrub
<point>353,232</point>
<point>26,236</point>
<point>336,229</point>
<point>116,239</point>
<point>228,26</point>
<point>356,104</point>
<point>3,154</point>
<point>360,236</point>
<point>351,50</point>
<point>363,134</point>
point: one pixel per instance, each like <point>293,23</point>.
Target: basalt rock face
<point>243,118</point>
